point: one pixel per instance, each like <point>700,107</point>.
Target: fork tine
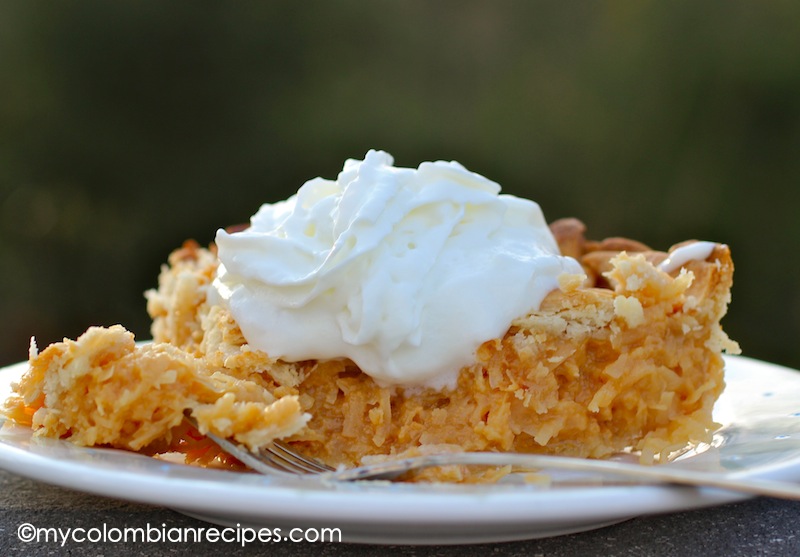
<point>305,464</point>
<point>283,460</point>
<point>249,459</point>
<point>274,458</point>
<point>260,462</point>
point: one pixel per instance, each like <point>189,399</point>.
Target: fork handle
<point>654,474</point>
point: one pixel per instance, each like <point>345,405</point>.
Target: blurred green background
<point>129,126</point>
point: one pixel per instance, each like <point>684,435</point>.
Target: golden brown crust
<point>570,233</point>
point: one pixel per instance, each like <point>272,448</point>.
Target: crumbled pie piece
<point>103,389</point>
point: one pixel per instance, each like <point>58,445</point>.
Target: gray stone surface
<point>756,527</point>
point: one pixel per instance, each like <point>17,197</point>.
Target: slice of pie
<point>627,357</point>
<point>397,311</point>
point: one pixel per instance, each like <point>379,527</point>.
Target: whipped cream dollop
<point>404,271</point>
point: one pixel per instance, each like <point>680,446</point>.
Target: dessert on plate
<point>394,312</point>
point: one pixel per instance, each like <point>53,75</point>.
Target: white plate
<point>760,437</point>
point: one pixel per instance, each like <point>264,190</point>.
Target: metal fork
<point>278,459</point>
<point>273,459</point>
